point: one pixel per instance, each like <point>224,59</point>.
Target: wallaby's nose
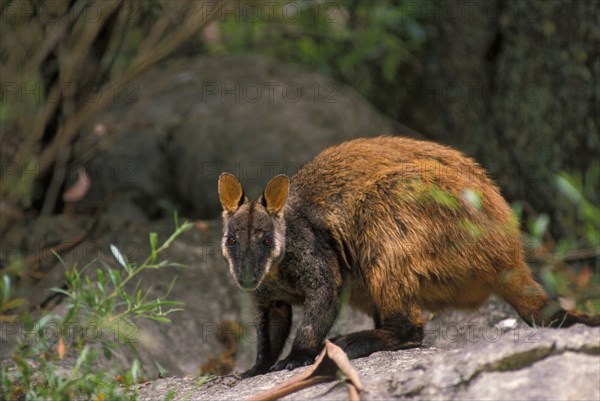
<point>248,276</point>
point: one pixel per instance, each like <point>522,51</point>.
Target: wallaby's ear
<point>276,193</point>
<point>231,193</point>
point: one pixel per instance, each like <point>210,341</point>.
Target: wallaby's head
<point>254,231</point>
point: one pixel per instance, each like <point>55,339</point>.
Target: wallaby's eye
<point>230,241</point>
<point>268,241</point>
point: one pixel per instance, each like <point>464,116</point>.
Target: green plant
<point>582,191</point>
<point>367,44</point>
<point>569,266</point>
<point>106,303</point>
<point>7,302</point>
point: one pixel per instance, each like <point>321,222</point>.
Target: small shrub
<point>105,302</point>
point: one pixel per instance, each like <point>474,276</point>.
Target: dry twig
<point>330,365</point>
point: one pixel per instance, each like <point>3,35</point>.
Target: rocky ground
<point>514,365</point>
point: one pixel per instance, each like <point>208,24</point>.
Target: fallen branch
<point>329,366</point>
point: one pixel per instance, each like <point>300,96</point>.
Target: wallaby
<point>404,225</point>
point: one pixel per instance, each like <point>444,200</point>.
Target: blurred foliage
<point>569,266</point>
<point>95,305</point>
<point>61,62</point>
<point>469,74</point>
<point>365,44</point>
<point>582,190</point>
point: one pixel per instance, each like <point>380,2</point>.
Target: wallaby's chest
<point>279,285</point>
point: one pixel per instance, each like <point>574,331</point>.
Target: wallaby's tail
<point>531,302</point>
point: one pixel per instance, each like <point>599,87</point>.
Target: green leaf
<point>390,66</point>
<point>550,281</point>
<point>61,291</point>
<point>540,225</point>
<point>161,369</point>
<point>415,30</point>
<point>153,246</point>
<point>437,195</point>
<point>176,219</point>
<point>517,208</point>
<point>11,304</point>
<point>5,288</point>
<point>118,255</point>
<point>473,198</point>
<point>135,371</point>
<point>44,320</point>
<point>81,359</point>
<point>106,351</point>
<point>161,319</point>
<point>100,287</point>
<point>567,186</point>
<point>115,277</point>
<point>170,288</point>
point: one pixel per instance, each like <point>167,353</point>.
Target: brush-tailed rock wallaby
<point>403,225</point>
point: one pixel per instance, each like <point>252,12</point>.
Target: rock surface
<point>545,365</point>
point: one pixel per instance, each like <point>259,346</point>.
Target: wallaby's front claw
<point>254,371</point>
<point>291,363</point>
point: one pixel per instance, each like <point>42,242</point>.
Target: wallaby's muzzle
<point>249,274</point>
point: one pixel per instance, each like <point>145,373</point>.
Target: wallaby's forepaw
<point>254,371</point>
<point>292,362</point>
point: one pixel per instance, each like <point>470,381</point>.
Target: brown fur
<point>405,225</point>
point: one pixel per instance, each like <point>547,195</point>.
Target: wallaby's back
<point>424,223</point>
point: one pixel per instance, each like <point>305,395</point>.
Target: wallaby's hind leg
<point>399,323</point>
<point>517,287</point>
<point>393,333</point>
